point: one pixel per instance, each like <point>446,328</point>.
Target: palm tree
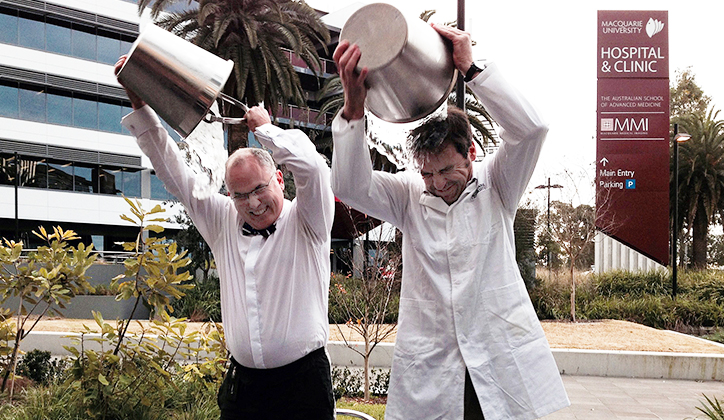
<point>480,120</point>
<point>254,34</point>
<point>701,178</point>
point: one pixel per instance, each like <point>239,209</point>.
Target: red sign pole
<point>632,149</point>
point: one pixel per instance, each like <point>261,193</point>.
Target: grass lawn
<point>375,410</point>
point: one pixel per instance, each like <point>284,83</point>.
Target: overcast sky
<point>547,49</point>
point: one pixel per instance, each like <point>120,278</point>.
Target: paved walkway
<point>607,398</point>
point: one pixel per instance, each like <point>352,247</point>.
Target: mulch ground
<point>595,335</point>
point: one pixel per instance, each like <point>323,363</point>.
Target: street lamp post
<point>460,86</point>
<point>678,138</point>
<point>548,225</point>
<point>16,185</point>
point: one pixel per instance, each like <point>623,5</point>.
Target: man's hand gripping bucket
<point>178,79</point>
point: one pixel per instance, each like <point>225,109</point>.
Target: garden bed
<point>595,335</point>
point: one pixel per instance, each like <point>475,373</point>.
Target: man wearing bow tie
<point>272,256</point>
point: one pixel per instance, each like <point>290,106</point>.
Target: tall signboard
<point>632,144</point>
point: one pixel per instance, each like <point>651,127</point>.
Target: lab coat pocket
<point>417,325</point>
<point>479,223</point>
<point>509,314</point>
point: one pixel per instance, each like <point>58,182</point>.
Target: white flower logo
<point>653,27</point>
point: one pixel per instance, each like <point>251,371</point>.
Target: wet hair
<point>438,132</point>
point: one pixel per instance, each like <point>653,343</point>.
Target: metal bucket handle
<point>211,117</point>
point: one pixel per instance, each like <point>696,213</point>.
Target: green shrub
<point>717,335</point>
<point>202,303</point>
<point>712,409</point>
<point>644,298</point>
<point>184,400</point>
<point>551,300</point>
<point>348,382</point>
<point>54,402</point>
<point>628,284</point>
<point>38,366</point>
<point>649,311</point>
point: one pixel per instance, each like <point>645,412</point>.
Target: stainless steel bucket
<point>411,70</point>
<point>178,79</point>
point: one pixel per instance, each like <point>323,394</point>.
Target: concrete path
<point>610,398</point>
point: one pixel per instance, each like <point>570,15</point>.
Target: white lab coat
<point>463,301</point>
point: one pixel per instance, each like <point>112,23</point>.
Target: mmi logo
<point>624,124</point>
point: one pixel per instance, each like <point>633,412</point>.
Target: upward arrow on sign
<point>604,161</point>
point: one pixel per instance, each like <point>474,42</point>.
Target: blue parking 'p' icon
<point>630,184</point>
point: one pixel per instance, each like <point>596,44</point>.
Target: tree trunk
<point>573,294</point>
<point>700,230</point>
<point>237,134</point>
<point>367,367</point>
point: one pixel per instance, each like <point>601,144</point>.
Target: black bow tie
<point>247,230</point>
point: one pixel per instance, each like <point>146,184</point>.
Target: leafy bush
<point>345,383</point>
<point>644,298</point>
<point>184,400</point>
<point>628,284</point>
<point>38,366</point>
<point>348,382</point>
<point>202,303</point>
<point>717,335</point>
<point>712,409</point>
<point>51,275</point>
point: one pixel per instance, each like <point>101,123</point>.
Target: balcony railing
<point>306,117</point>
<point>328,66</point>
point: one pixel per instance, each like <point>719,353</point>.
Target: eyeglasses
<point>258,191</point>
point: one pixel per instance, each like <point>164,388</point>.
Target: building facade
<point>65,159</point>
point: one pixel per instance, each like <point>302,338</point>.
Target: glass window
<point>8,101</point>
<point>83,176</point>
<point>32,104</point>
<point>33,173</point>
<point>84,42</point>
<point>126,44</point>
<point>85,113</point>
<point>60,176</point>
<point>171,132</point>
<point>158,190</point>
<point>9,23</point>
<point>60,108</point>
<point>7,169</point>
<point>58,36</point>
<point>125,110</point>
<point>110,181</point>
<point>31,30</point>
<point>109,47</point>
<point>132,183</point>
<point>109,117</point>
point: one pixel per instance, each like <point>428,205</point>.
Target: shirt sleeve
<point>523,133</point>
<point>176,176</point>
<point>315,201</point>
<point>380,194</point>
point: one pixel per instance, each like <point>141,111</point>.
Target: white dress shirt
<point>463,302</point>
<point>274,291</point>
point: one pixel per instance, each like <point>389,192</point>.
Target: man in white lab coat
<point>469,344</point>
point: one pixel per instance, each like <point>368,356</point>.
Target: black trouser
<point>471,410</point>
<point>301,390</point>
